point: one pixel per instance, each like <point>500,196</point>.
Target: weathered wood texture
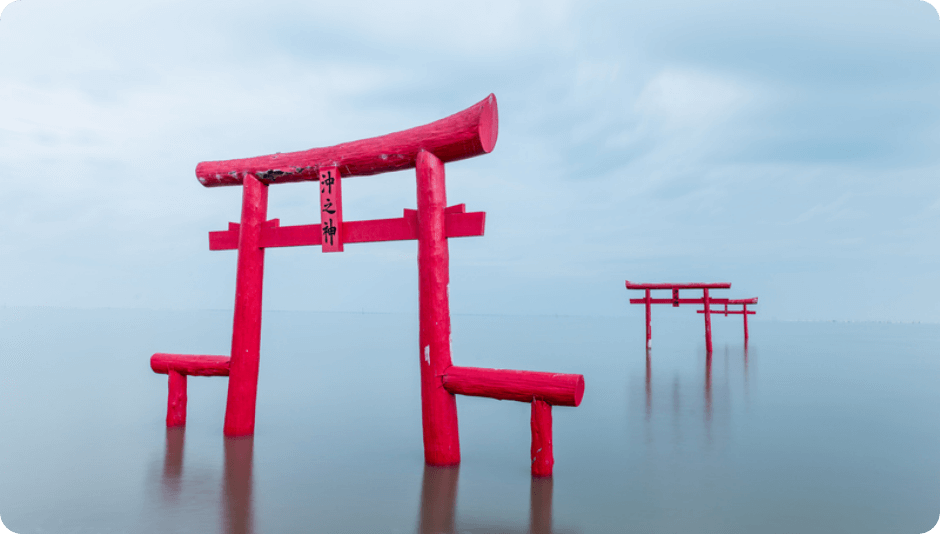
<point>178,367</point>
<point>246,329</point>
<point>190,364</point>
<point>438,406</point>
<point>466,134</point>
<point>176,400</point>
<point>558,389</point>
<point>543,459</point>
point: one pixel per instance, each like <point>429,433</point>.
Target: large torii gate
<point>427,148</point>
<point>706,299</point>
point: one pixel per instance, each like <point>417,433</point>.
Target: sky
<point>788,148</point>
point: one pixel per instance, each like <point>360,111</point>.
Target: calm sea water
<point>816,427</point>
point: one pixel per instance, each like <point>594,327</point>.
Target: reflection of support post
<point>708,387</point>
<point>540,506</point>
<point>438,406</point>
<point>173,462</point>
<point>708,322</point>
<point>649,326</point>
<point>649,388</point>
<point>438,500</point>
<point>176,400</point>
<point>745,368</point>
<point>237,506</point>
<point>542,458</point>
<point>246,331</point>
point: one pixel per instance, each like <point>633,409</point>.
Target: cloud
<point>935,4</point>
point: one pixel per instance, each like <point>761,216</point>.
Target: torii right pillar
<point>438,406</point>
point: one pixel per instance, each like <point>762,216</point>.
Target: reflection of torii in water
<point>707,394</point>
<point>439,504</point>
<point>438,490</point>
<point>237,503</point>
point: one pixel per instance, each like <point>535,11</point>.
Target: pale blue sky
<point>789,148</point>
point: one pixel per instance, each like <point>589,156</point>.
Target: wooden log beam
<point>634,285</point>
<point>456,224</point>
<point>554,388</point>
<point>680,301</point>
<point>190,364</point>
<point>466,134</point>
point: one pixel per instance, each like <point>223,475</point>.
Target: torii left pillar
<point>246,330</point>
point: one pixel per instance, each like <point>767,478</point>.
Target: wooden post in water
<point>438,406</point>
<point>708,321</point>
<point>542,457</point>
<point>246,328</point>
<point>176,400</point>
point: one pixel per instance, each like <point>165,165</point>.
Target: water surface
<point>814,427</point>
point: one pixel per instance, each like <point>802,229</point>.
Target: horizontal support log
<point>457,223</point>
<point>729,312</point>
<point>553,388</point>
<point>681,301</point>
<point>634,285</point>
<point>190,364</point>
<point>466,134</point>
<point>743,301</point>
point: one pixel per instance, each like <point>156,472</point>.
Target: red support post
<point>246,330</point>
<point>178,367</point>
<point>542,458</point>
<point>745,322</point>
<point>649,326</point>
<point>708,321</point>
<point>438,406</point>
<point>176,400</point>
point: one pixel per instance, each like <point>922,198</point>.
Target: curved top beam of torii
<point>463,135</point>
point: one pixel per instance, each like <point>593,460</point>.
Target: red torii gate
<point>743,311</point>
<point>706,299</point>
<point>466,134</point>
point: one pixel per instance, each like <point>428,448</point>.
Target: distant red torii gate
<point>706,300</point>
<point>743,311</point>
<point>466,134</point>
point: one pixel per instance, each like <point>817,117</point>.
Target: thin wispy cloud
<point>724,140</point>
